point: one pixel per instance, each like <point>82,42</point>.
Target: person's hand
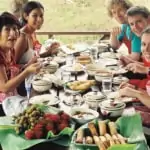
<point>53,49</point>
<point>126,84</point>
<point>33,68</point>
<point>116,31</point>
<point>127,91</point>
<point>33,60</point>
<point>125,60</point>
<point>137,68</point>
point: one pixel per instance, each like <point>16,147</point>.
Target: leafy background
<point>75,15</point>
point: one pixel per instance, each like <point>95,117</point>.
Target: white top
<point>29,54</point>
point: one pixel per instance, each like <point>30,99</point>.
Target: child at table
<point>117,9</point>
<point>10,77</point>
<point>27,44</point>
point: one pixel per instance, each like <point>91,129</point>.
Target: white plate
<point>108,55</point>
<point>47,99</point>
<point>119,71</point>
<point>120,79</point>
<point>79,47</point>
<point>73,68</point>
<point>114,95</point>
<point>94,96</point>
<point>108,61</point>
<point>59,60</point>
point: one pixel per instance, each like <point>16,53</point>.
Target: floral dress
<point>12,70</point>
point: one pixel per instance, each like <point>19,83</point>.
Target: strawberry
<point>65,116</point>
<point>62,126</point>
<point>49,127</point>
<point>52,117</point>
<point>29,134</point>
<point>39,134</point>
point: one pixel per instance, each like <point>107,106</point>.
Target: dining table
<point>60,93</point>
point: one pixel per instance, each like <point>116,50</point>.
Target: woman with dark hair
<point>10,77</point>
<point>33,18</point>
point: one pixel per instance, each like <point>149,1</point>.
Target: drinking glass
<point>65,76</point>
<point>107,84</point>
<point>69,59</point>
<point>94,53</point>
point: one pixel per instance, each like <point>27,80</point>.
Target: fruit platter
<point>36,124</point>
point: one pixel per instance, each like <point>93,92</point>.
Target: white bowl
<point>93,99</point>
<point>108,110</point>
<point>102,75</point>
<point>86,118</point>
<point>41,85</point>
<point>93,68</point>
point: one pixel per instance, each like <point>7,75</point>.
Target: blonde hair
<point>17,7</point>
<point>124,3</point>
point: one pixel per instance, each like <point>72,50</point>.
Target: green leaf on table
<point>123,147</point>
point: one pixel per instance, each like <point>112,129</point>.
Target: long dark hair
<point>7,18</point>
<point>31,5</point>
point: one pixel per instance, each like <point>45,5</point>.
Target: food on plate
<point>110,139</point>
<point>88,140</point>
<point>77,67</point>
<point>99,143</point>
<point>116,139</point>
<point>112,128</point>
<point>102,127</point>
<point>80,136</point>
<point>104,140</point>
<point>80,85</point>
<point>92,129</point>
<point>109,136</point>
<point>70,46</point>
<point>36,124</point>
<point>84,59</point>
<point>83,115</point>
<point>121,139</point>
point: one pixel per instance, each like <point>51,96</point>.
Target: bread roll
<point>99,143</point>
<point>88,140</point>
<point>110,139</point>
<point>92,129</point>
<point>83,57</point>
<point>116,139</point>
<point>112,128</point>
<point>121,139</point>
<point>80,136</point>
<point>104,140</point>
<point>102,127</point>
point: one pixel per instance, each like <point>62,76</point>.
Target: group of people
<point>135,34</point>
<point>19,45</point>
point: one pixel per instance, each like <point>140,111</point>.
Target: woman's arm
<point>8,85</point>
<point>21,46</point>
<point>139,94</point>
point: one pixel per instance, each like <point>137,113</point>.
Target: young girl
<point>33,18</point>
<point>10,77</point>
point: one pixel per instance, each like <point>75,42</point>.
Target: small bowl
<point>90,115</point>
<point>99,76</point>
<point>41,85</point>
<point>112,111</point>
<point>93,68</point>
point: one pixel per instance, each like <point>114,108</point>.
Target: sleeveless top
<point>29,54</point>
<point>12,70</point>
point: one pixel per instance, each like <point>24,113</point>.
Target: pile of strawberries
<point>49,122</point>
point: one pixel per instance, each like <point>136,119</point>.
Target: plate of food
<point>47,99</point>
<point>108,55</point>
<point>75,68</point>
<point>115,96</point>
<point>78,86</point>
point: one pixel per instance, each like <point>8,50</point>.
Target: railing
<point>103,34</point>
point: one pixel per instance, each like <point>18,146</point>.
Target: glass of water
<point>65,76</point>
<point>94,53</point>
<point>107,83</point>
<point>69,59</point>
